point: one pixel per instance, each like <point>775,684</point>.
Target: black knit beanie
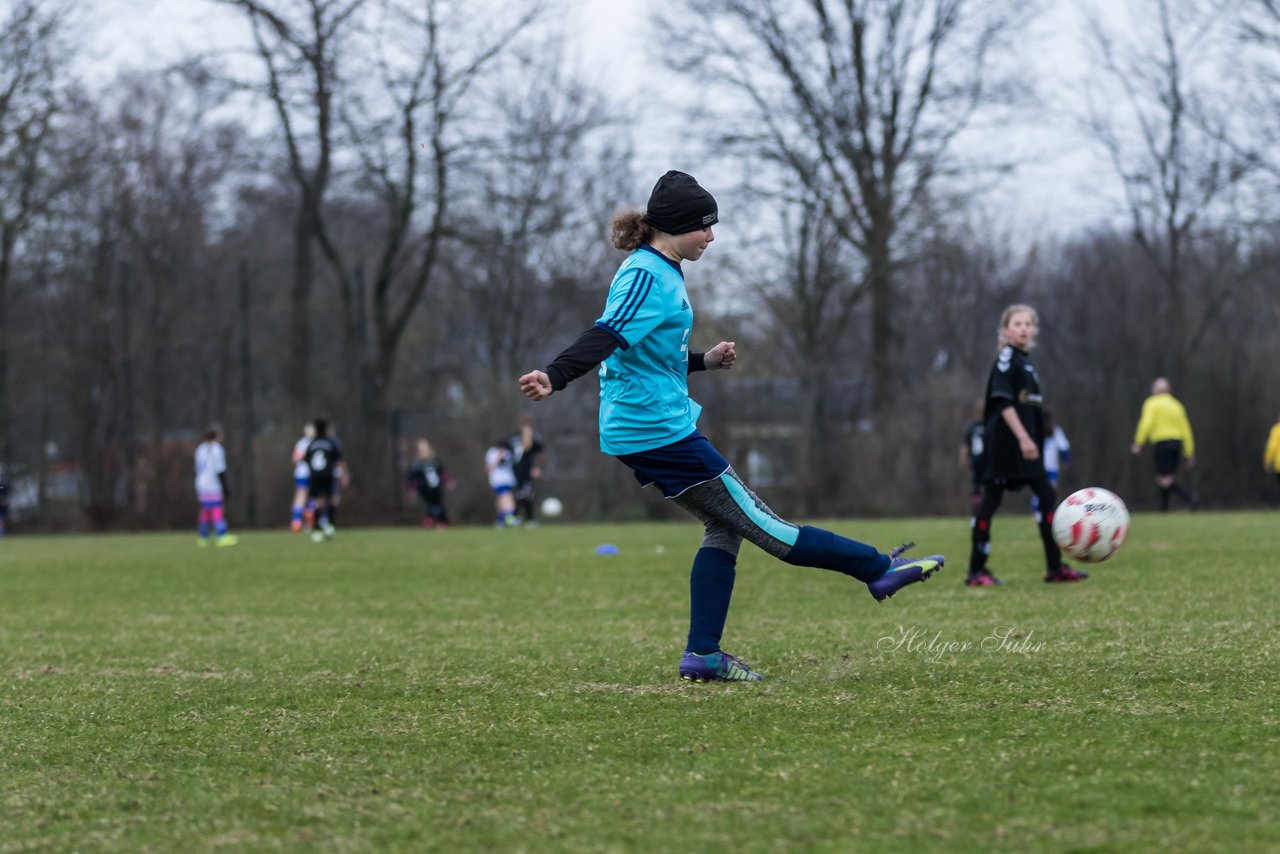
<point>678,205</point>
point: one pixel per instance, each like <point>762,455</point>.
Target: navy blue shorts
<point>678,466</point>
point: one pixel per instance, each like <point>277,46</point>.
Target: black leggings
<point>992,495</point>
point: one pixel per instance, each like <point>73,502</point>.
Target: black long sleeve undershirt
<point>590,349</point>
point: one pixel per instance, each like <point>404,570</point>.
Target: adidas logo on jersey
<point>684,305</point>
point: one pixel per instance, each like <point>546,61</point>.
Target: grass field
<point>512,690</point>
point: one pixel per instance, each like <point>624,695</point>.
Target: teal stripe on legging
<point>769,523</point>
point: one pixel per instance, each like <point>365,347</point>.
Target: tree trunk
<point>379,475</point>
<point>159,359</point>
<point>299,370</point>
<point>813,450</point>
<point>880,283</point>
<point>126,378</point>
<point>7,238</point>
<point>249,480</point>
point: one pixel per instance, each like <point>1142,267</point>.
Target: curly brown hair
<point>630,231</point>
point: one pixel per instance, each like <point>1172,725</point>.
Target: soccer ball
<point>1091,525</point>
<point>552,507</point>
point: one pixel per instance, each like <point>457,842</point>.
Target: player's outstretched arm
<point>592,347</point>
<point>536,385</point>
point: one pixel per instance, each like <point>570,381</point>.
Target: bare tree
<point>169,160</point>
<point>543,187</point>
<point>1258,32</point>
<point>861,103</point>
<point>1168,133</point>
<point>301,45</point>
<point>409,130</point>
<point>406,123</point>
<point>34,65</point>
<point>810,306</point>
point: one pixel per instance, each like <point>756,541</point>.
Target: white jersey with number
<point>211,461</point>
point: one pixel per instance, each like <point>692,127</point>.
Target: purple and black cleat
<point>903,571</point>
<point>716,667</point>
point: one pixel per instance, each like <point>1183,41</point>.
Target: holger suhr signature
<point>933,646</point>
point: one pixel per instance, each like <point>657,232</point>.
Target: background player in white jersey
<point>303,510</point>
<point>211,488</point>
<point>1057,456</point>
<point>499,462</point>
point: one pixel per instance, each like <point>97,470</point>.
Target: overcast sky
<point>147,33</point>
<point>1062,185</point>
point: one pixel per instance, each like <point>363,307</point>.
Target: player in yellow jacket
<point>1164,425</point>
<point>1271,456</point>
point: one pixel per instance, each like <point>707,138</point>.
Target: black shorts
<point>320,486</point>
<point>1168,455</point>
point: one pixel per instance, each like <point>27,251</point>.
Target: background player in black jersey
<point>428,477</point>
<point>324,458</point>
<point>527,452</point>
<point>1013,439</point>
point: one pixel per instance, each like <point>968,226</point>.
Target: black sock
<point>1164,499</point>
<point>978,552</point>
<point>332,513</point>
<point>1052,554</point>
<point>1181,491</point>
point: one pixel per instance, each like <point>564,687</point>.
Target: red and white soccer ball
<point>1091,525</point>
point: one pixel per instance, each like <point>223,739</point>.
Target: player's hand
<point>1029,449</point>
<point>1191,463</point>
<point>1136,448</point>
<point>536,385</point>
<point>720,357</point>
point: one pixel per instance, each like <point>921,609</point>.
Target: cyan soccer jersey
<point>644,388</point>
